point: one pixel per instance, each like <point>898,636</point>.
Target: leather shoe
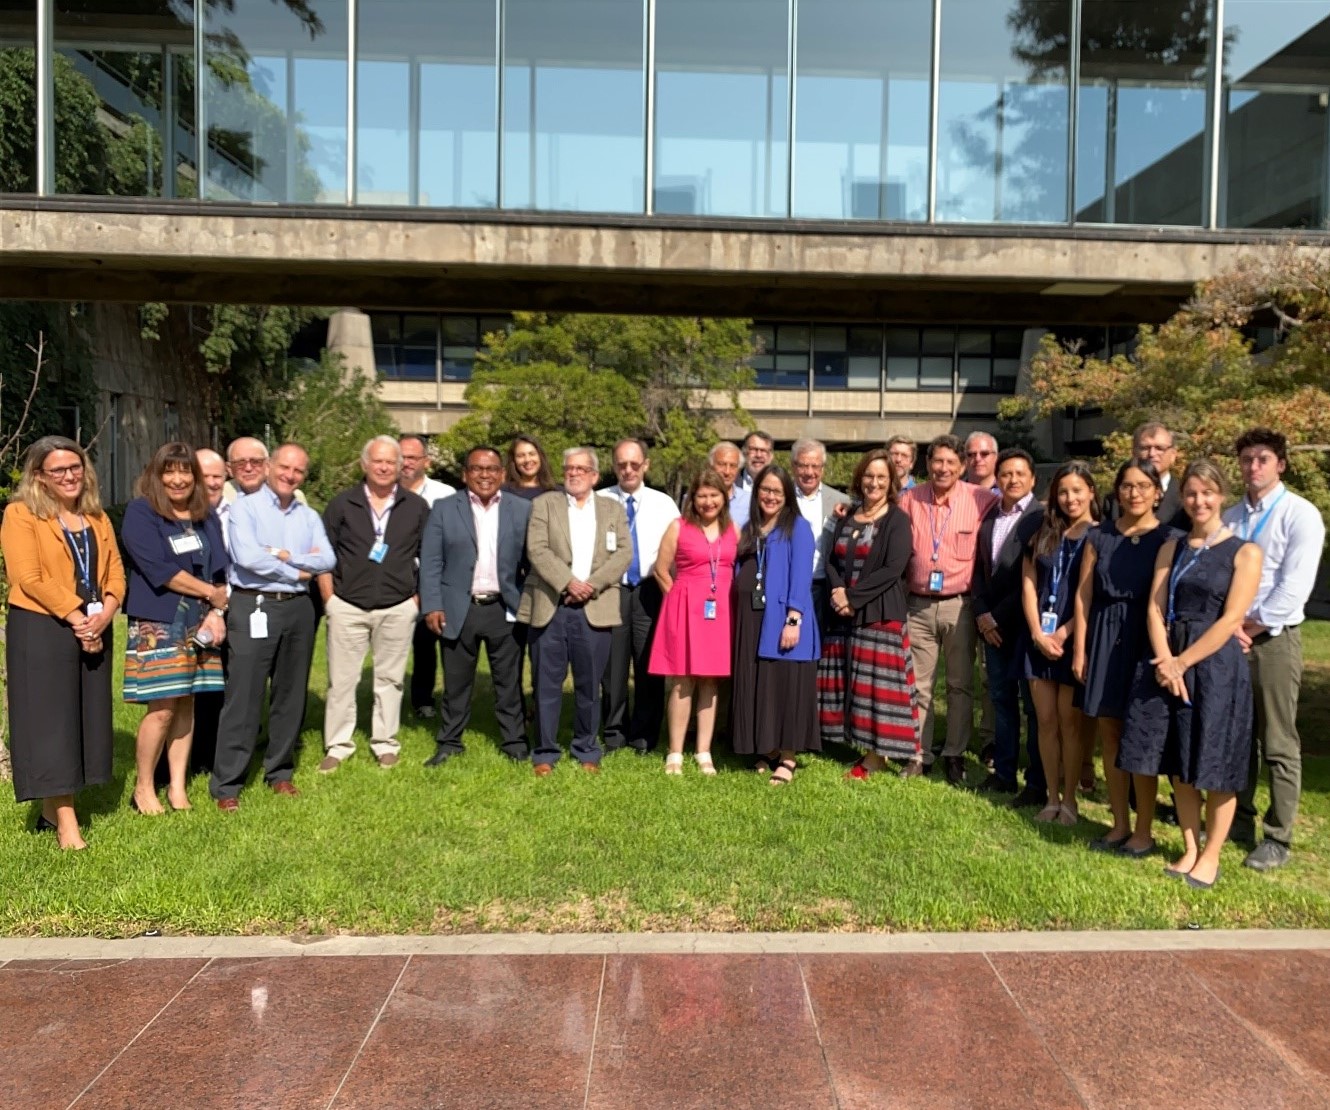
<point>439,758</point>
<point>543,770</point>
<point>1266,856</point>
<point>986,754</point>
<point>955,766</point>
<point>591,768</point>
<point>329,764</point>
<point>388,759</point>
<point>285,786</point>
<point>228,805</point>
<point>913,768</point>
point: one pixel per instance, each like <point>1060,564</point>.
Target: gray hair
<point>808,447</point>
<point>980,435</point>
<point>381,441</point>
<point>589,452</point>
<point>723,445</point>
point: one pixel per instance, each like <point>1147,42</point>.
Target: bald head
<point>247,463</point>
<point>214,474</point>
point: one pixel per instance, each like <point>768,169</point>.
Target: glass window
<point>861,124</point>
<point>491,324</point>
<point>18,76</point>
<point>574,130</point>
<point>722,107</point>
<point>1003,111</point>
<point>1141,136</point>
<point>460,331</point>
<point>865,358</point>
<point>1276,113</point>
<point>385,327</point>
<point>935,373</point>
<point>124,99</point>
<point>830,358</point>
<point>426,103</point>
<point>902,347</point>
<point>275,101</point>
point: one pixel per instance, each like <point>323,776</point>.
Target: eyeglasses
<point>623,464</point>
<point>1136,487</point>
<point>414,458</point>
<point>979,454</point>
<point>575,470</point>
<point>1154,448</point>
<point>484,469</point>
<point>248,464</point>
<point>75,471</point>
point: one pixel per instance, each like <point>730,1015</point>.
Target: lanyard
<point>82,555</point>
<point>938,533</point>
<point>1179,572</point>
<point>713,558</point>
<point>380,520</point>
<point>761,559</point>
<point>1060,569</point>
<point>1249,533</point>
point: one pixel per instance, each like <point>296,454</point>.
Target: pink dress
<point>686,643</point>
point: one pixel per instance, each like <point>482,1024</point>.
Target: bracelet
<point>218,612</point>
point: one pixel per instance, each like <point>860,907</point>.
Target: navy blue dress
<point>1067,555</point>
<point>1206,744</point>
<point>1116,637</point>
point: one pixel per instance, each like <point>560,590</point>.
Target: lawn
<point>483,845</point>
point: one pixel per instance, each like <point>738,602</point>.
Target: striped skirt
<point>162,662</point>
<point>866,693</point>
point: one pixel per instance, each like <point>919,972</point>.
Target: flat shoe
<point>1136,853</point>
<point>674,763</point>
<point>1199,884</point>
<point>1174,873</point>
<point>1048,813</point>
<point>858,771</point>
<point>1103,844</point>
<point>43,825</point>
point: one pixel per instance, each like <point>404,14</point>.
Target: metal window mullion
<point>45,97</point>
<point>167,118</point>
<point>791,65</point>
<point>352,61</point>
<point>200,124</point>
<point>498,102</point>
<point>1073,105</point>
<point>934,90</point>
<point>1216,107</point>
<point>649,107</point>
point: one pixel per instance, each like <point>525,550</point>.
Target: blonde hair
<point>1207,471</point>
<point>32,490</point>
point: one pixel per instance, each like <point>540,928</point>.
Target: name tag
<point>93,608</point>
<point>258,625</point>
<point>611,542</point>
<point>709,609</point>
<point>935,582</point>
<point>186,543</point>
<point>1048,623</point>
<point>377,552</point>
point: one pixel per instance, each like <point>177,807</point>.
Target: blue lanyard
<point>380,520</point>
<point>1179,572</point>
<point>82,555</point>
<point>938,534</point>
<point>713,558</point>
<point>761,559</point>
<point>1264,520</point>
<point>1060,569</point>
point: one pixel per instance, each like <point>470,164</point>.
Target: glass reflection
<point>1003,112</point>
<point>1276,113</point>
<point>427,103</point>
<point>722,107</point>
<point>275,99</point>
<point>18,82</point>
<point>861,122</point>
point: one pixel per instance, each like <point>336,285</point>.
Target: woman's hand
<point>1169,672</point>
<point>1050,647</point>
<point>219,598</point>
<point>91,644</point>
<point>216,624</point>
<point>789,637</point>
<point>97,623</point>
<point>1078,666</point>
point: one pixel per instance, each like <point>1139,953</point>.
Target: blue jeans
<point>1008,690</point>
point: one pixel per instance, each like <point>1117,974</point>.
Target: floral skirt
<point>161,661</point>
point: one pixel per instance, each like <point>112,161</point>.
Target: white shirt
<point>433,490</point>
<point>582,535</point>
<point>653,513</point>
<point>810,508</point>
<point>1291,539</point>
<point>485,578</point>
<point>223,512</point>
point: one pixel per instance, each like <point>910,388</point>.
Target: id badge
<point>378,551</point>
<point>935,582</point>
<point>611,542</point>
<point>258,625</point>
<point>93,608</point>
<point>759,599</point>
<point>1048,623</point>
<point>186,543</point>
<point>709,609</point>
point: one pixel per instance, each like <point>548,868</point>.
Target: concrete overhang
<point>193,252</point>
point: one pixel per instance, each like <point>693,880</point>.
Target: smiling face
<point>527,461</point>
<point>483,473</point>
<point>944,469</point>
<point>1074,497</point>
<point>1015,479</point>
<point>1136,493</point>
<point>247,460</point>
<point>708,501</point>
<point>725,462</point>
<point>289,467</point>
<point>62,473</point>
<point>214,475</point>
<point>980,459</point>
<point>178,481</point>
<point>876,483</point>
<point>1203,501</point>
<point>757,452</point>
<point>381,467</point>
<point>808,469</point>
<point>579,476</point>
<point>770,498</point>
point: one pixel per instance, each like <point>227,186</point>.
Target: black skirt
<point>60,734</point>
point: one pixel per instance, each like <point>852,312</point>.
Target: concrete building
<point>903,194</point>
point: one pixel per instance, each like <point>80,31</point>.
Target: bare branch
<point>16,437</point>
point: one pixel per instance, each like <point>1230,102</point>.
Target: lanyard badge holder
<point>935,576</point>
<point>713,558</point>
<point>760,590</point>
<point>1048,619</point>
<point>83,555</point>
<point>379,550</point>
<point>258,621</point>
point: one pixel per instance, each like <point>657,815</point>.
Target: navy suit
<point>448,550</point>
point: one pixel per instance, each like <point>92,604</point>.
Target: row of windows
<point>1099,111</point>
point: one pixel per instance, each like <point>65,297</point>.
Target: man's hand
<point>435,622</point>
<point>579,591</point>
<point>988,629</point>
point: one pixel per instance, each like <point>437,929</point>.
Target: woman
<point>527,469</point>
<point>1110,635</point>
<point>866,692</point>
<point>691,648</point>
<point>1191,710</point>
<point>176,608</point>
<point>65,584</point>
<point>773,706</point>
<point>1051,573</point>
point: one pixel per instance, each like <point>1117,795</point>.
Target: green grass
<point>484,845</point>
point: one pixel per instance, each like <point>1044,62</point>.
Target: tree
<point>1201,374</point>
<point>590,380</point>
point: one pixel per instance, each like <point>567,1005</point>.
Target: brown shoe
<point>388,759</point>
<point>228,805</point>
<point>542,770</point>
<point>955,767</point>
<point>914,768</point>
<point>284,787</point>
<point>329,765</point>
<point>591,768</point>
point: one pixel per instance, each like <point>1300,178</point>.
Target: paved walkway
<point>1047,1021</point>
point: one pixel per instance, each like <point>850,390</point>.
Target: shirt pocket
<point>965,545</point>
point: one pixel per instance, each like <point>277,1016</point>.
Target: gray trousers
<point>1276,678</point>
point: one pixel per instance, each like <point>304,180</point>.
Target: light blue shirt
<point>740,501</point>
<point>1291,538</point>
<point>259,526</point>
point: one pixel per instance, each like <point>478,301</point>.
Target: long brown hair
<point>32,490</point>
<point>707,479</point>
<point>544,476</point>
<point>1056,523</point>
<point>173,456</point>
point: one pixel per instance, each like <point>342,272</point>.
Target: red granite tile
<point>707,1031</point>
<point>481,1031</point>
<point>928,1031</point>
<point>1284,995</point>
<point>259,1033</point>
<point>63,1021</point>
<point>1138,1029</point>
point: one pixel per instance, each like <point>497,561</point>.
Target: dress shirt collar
<point>1019,507</point>
<point>276,501</point>
<point>816,495</point>
<point>479,504</point>
<point>1265,502</point>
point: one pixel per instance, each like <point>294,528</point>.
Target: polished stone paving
<point>669,1022</point>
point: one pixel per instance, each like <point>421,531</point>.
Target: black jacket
<point>996,587</point>
<point>879,592</point>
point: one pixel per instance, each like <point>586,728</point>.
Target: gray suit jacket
<point>448,557</point>
<point>550,549</point>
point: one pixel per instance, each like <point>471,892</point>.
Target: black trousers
<point>487,625</point>
<point>282,656</point>
<point>630,647</point>
<point>568,640</point>
<point>425,647</point>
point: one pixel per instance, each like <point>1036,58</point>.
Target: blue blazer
<point>448,557</point>
<point>789,585</point>
<point>150,562</point>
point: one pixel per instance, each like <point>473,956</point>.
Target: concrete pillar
<point>349,336</point>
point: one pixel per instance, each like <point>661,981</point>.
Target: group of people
<point>766,606</point>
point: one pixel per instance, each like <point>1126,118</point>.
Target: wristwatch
<point>793,622</point>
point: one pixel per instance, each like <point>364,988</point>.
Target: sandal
<point>704,763</point>
<point>783,774</point>
<point>763,764</point>
<point>674,763</point>
<point>1048,813</point>
<point>858,771</point>
<point>1067,816</point>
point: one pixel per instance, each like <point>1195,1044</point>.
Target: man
<point>1291,535</point>
<point>902,451</point>
<point>208,704</point>
<point>471,572</point>
<point>945,514</point>
<point>981,452</point>
<point>277,546</point>
<point>724,460</point>
<point>1000,620</point>
<point>1153,443</point>
<point>757,450</point>
<point>579,547</point>
<point>247,466</point>
<point>424,644</point>
<point>370,601</point>
<point>649,513</point>
<point>816,503</point>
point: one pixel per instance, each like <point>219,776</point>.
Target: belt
<point>937,597</point>
<point>271,595</point>
<point>485,599</point>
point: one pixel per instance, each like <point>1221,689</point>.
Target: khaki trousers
<point>1276,679</point>
<point>944,627</point>
<point>351,633</point>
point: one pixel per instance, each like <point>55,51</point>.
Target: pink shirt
<point>485,578</point>
<point>944,536</point>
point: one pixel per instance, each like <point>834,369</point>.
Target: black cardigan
<point>879,594</point>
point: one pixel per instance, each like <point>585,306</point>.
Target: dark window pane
<point>1008,342</point>
<point>18,75</point>
<point>939,341</point>
<point>830,369</point>
<point>491,324</point>
<point>417,363</point>
<point>460,331</point>
<point>974,341</point>
<point>975,373</point>
<point>421,331</point>
<point>764,337</point>
<point>1005,371</point>
<point>792,337</point>
<point>935,373</point>
<point>865,341</point>
<point>902,341</point>
<point>385,327</point>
